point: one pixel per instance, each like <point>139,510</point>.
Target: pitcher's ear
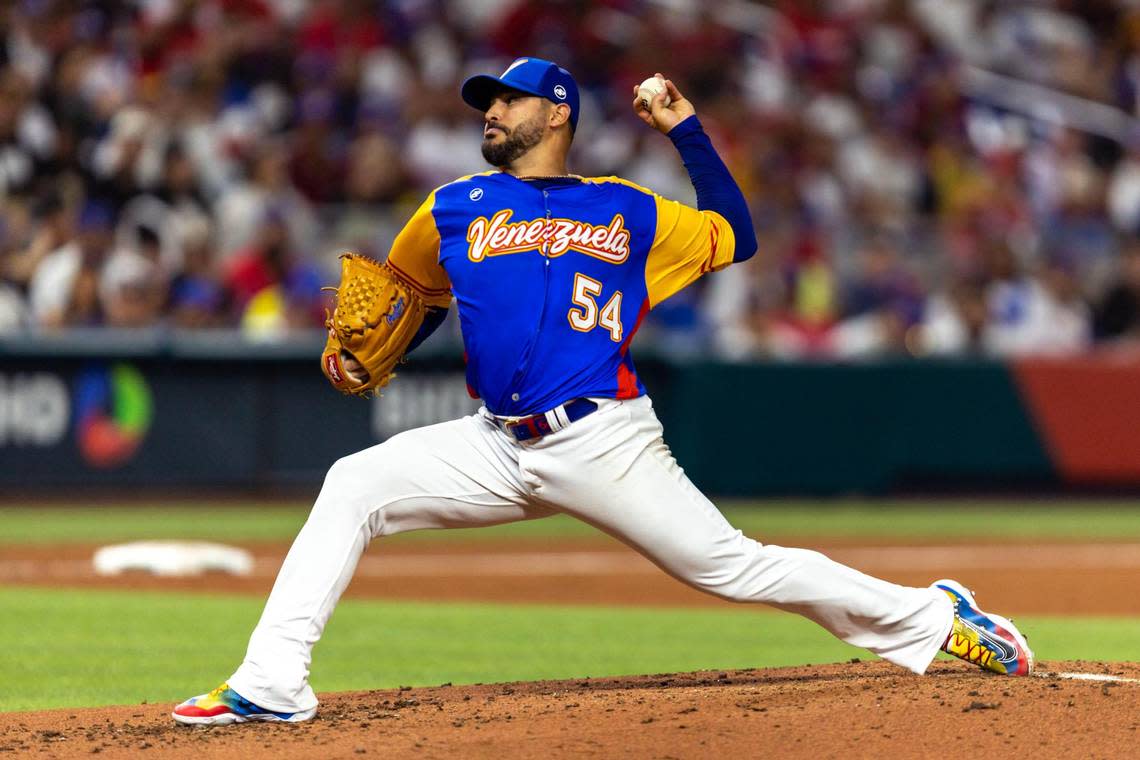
<point>560,115</point>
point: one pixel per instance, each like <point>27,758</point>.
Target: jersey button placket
<point>546,238</point>
<point>520,373</point>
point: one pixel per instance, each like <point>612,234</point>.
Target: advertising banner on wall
<point>208,421</point>
<point>193,422</point>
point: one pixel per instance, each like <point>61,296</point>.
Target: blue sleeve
<point>716,189</point>
<point>432,320</point>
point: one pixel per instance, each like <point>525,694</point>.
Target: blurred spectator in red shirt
<point>270,265</point>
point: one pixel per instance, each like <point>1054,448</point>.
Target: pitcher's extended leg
<point>621,477</point>
<point>457,474</point>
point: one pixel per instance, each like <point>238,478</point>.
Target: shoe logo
<point>978,644</point>
<point>1005,652</point>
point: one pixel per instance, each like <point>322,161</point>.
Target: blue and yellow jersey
<point>553,279</point>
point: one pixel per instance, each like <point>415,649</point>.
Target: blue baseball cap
<point>533,76</point>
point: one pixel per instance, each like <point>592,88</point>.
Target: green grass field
<point>81,648</point>
<point>770,520</point>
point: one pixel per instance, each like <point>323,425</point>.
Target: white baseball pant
<point>611,469</point>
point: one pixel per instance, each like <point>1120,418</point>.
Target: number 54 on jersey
<point>585,315</point>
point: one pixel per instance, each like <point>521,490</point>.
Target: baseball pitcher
<point>552,274</point>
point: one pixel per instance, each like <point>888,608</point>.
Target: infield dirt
<point>1042,579</point>
<point>857,709</point>
<point>828,711</point>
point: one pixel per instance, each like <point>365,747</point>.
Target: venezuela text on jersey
<point>498,236</point>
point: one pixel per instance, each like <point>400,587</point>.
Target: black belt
<point>544,423</point>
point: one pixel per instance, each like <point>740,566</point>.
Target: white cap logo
<point>475,194</point>
<point>560,92</point>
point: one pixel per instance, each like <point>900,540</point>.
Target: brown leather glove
<point>377,314</point>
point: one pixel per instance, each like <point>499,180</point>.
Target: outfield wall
<point>198,414</point>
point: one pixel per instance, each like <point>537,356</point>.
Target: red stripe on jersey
<point>714,236</point>
<point>415,283</point>
<point>627,382</point>
<point>626,377</point>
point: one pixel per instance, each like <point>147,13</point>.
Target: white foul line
<point>1088,677</point>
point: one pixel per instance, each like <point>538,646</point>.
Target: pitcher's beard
<point>517,142</point>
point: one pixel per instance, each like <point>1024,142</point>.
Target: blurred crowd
<point>926,177</point>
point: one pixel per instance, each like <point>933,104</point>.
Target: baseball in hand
<point>650,89</point>
<point>355,369</point>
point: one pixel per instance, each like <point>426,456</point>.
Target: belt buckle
<point>508,420</point>
<point>536,425</point>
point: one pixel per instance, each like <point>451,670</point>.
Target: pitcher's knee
<point>346,477</point>
<point>361,481</point>
<point>383,467</point>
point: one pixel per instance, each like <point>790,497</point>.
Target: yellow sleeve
<point>415,256</point>
<point>688,243</point>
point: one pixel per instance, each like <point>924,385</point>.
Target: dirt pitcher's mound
<point>851,710</point>
<point>1070,578</point>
